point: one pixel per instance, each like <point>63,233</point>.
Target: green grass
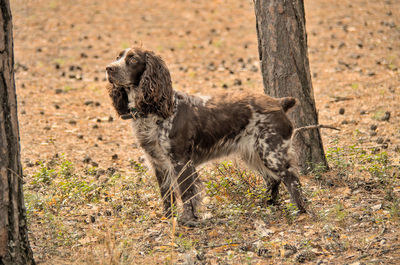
<point>115,216</point>
<point>58,192</point>
<point>241,190</point>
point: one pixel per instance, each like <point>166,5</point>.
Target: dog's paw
<point>189,222</point>
<point>273,202</point>
<point>189,219</point>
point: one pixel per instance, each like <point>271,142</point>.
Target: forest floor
<point>89,196</point>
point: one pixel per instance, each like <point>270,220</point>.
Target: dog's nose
<point>110,69</point>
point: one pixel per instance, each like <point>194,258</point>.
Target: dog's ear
<point>155,88</point>
<point>287,103</point>
<point>119,99</point>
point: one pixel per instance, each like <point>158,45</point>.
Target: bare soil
<point>99,205</point>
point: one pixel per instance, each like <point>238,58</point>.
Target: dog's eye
<point>131,60</point>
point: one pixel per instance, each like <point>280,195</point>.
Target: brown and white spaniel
<point>179,131</point>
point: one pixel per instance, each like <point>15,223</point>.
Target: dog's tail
<point>287,103</point>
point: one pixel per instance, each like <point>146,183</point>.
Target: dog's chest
<point>153,135</point>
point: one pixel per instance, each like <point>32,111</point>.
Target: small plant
<point>92,171</point>
<point>353,158</point>
<point>139,168</point>
<point>290,212</point>
<point>318,171</point>
<point>339,212</point>
<point>240,189</point>
<point>58,185</point>
<point>44,176</point>
<point>337,157</point>
<point>66,169</point>
<point>185,243</point>
<point>377,165</point>
<point>394,210</point>
<point>59,61</point>
<point>68,88</point>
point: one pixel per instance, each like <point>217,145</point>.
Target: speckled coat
<point>179,131</point>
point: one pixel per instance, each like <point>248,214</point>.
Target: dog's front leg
<point>189,191</point>
<point>166,189</point>
<point>274,188</point>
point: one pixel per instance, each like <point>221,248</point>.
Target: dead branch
<point>309,127</point>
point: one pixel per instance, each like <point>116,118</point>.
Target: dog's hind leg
<point>292,183</point>
<point>273,151</point>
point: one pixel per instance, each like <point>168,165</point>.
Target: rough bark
<point>14,244</point>
<point>282,44</point>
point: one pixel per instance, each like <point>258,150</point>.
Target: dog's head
<point>145,78</point>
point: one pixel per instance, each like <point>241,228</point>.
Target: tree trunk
<point>282,45</point>
<point>14,244</point>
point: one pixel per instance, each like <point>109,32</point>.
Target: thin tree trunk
<point>282,44</point>
<point>14,244</point>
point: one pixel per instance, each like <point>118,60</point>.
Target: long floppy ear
<point>155,88</point>
<point>119,99</point>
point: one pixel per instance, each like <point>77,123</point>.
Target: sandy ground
<point>62,48</point>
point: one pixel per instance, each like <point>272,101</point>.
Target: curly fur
<point>155,88</point>
<point>178,131</point>
<point>119,99</point>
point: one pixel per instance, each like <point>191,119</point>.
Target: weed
<point>339,212</point>
<point>92,171</point>
<point>114,178</point>
<point>68,88</point>
<point>59,61</point>
<point>44,176</point>
<point>394,210</point>
<point>57,188</point>
<point>185,243</point>
<point>290,212</point>
<point>377,165</point>
<point>34,203</point>
<point>378,114</point>
<point>337,157</point>
<point>139,168</point>
<point>66,169</point>
<point>192,74</point>
<point>318,170</point>
<point>353,158</point>
<point>218,43</point>
<point>241,190</point>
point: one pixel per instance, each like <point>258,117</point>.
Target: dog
<point>179,132</point>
